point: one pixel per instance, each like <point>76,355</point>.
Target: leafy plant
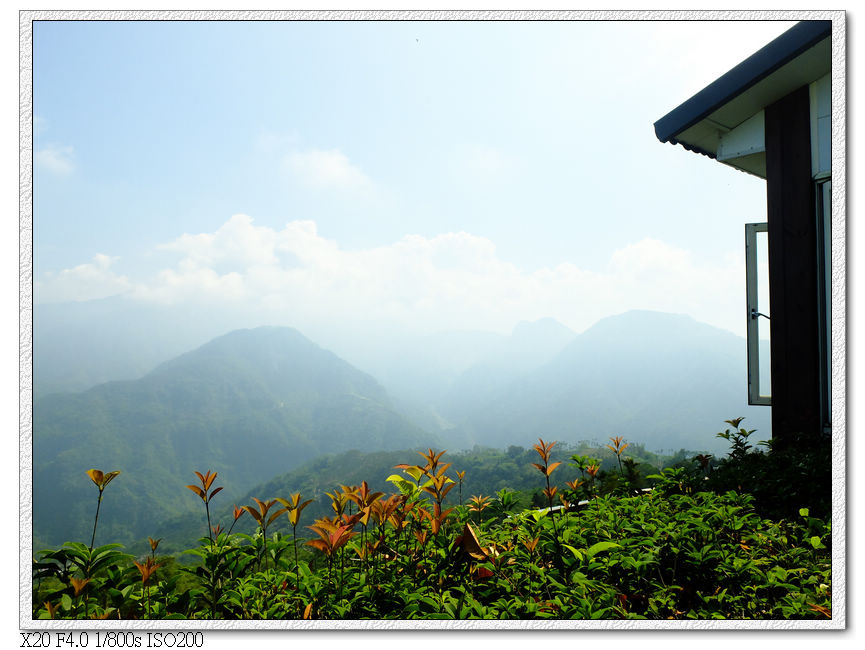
<point>293,508</point>
<point>678,552</point>
<point>100,480</point>
<point>738,438</point>
<point>259,513</point>
<point>205,494</point>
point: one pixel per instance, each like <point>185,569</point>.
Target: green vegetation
<point>607,549</point>
<point>269,388</point>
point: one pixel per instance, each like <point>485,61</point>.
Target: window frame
<point>823,208</point>
<point>752,314</point>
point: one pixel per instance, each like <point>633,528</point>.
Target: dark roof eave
<point>695,149</point>
<point>733,83</point>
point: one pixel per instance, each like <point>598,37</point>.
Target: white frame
<point>755,395</point>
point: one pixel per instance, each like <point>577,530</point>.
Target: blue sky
<point>437,175</point>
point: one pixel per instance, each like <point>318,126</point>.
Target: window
<point>824,298</point>
<point>758,331</point>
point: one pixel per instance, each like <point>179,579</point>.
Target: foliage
<point>679,551</point>
<point>265,389</point>
<point>791,474</point>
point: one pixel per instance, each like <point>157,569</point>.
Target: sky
<point>431,175</point>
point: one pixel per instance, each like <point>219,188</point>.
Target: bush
<point>679,552</point>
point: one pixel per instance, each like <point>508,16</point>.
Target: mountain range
<point>256,403</point>
<point>249,405</point>
<point>663,380</point>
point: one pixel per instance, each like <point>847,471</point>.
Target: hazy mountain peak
<point>249,405</point>
<point>542,327</point>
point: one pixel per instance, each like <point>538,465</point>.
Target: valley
<point>256,404</point>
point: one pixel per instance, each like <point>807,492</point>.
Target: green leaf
<point>804,512</point>
<point>599,548</point>
<point>816,543</point>
<point>66,601</point>
<point>577,554</point>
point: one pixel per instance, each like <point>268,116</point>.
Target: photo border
<point>839,315</point>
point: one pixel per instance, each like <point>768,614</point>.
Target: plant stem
<point>95,521</point>
<point>209,529</point>
<point>296,566</point>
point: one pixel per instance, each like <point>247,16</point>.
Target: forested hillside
<point>250,405</point>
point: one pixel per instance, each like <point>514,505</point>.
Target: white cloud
<point>55,159</point>
<point>320,169</point>
<point>84,282</point>
<point>237,241</point>
<point>454,280</point>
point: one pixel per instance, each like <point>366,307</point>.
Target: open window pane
<point>824,238</point>
<point>758,314</point>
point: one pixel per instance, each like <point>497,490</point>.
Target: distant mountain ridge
<point>250,405</point>
<point>664,380</point>
<point>253,404</point>
<point>530,346</point>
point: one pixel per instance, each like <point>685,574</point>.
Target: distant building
<point>771,116</point>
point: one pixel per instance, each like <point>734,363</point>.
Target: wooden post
<point>792,268</point>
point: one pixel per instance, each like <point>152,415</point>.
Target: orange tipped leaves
<point>478,503</point>
<point>414,471</point>
<point>363,497</point>
<point>338,501</point>
<point>206,482</point>
<point>332,536</point>
<point>101,479</point>
<point>147,569</point>
<point>154,543</point>
<point>468,543</point>
<point>238,512</point>
<point>617,447</point>
<point>420,535</point>
<point>384,509</point>
<point>438,518</point>
<point>294,507</point>
<point>260,513</point>
<point>78,584</point>
<point>544,449</point>
<point>548,469</point>
<point>207,479</point>
<point>431,458</point>
<point>364,500</point>
<point>52,609</point>
<point>439,485</point>
<point>575,484</point>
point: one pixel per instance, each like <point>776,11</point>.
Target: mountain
<point>663,380</point>
<point>249,405</point>
<point>530,346</point>
<point>78,345</point>
<point>419,371</point>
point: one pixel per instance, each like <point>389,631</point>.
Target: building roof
<point>799,56</point>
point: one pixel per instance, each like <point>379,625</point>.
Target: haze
<point>368,180</point>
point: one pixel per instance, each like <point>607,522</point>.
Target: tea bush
<point>681,551</point>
